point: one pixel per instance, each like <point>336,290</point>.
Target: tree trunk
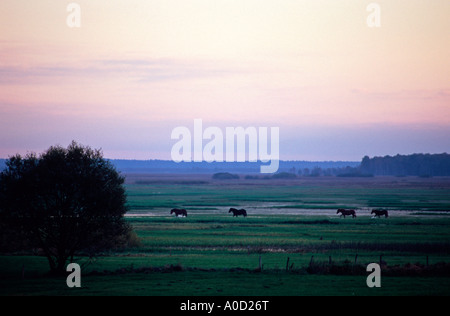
<point>57,265</point>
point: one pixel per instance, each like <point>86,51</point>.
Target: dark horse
<point>379,213</point>
<point>238,212</point>
<point>346,212</point>
<point>178,212</point>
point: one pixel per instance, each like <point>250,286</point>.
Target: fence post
<point>287,265</point>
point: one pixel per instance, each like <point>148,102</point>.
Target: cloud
<point>413,94</point>
<point>15,75</point>
<point>135,70</point>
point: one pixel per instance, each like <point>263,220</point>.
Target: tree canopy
<point>65,201</point>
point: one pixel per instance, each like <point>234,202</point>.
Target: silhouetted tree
<point>65,201</point>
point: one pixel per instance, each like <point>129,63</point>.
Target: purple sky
<point>337,88</point>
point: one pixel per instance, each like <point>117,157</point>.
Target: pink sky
<point>337,89</point>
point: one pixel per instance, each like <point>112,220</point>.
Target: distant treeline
<point>418,165</point>
<point>421,165</point>
<point>170,167</point>
<point>293,173</point>
<point>167,166</point>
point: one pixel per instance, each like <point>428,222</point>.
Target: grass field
<point>211,253</point>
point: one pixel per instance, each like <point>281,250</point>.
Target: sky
<point>134,70</point>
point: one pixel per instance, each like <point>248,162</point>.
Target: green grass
<point>218,254</point>
<point>212,251</point>
<point>228,284</point>
<point>311,195</point>
<point>287,232</point>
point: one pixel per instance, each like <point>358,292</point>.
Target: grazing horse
<point>238,212</point>
<point>178,212</point>
<point>346,212</point>
<point>379,213</point>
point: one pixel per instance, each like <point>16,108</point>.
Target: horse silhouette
<point>238,212</point>
<point>178,212</point>
<point>379,213</point>
<point>346,212</point>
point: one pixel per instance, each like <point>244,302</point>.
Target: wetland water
<point>200,195</point>
<point>274,210</point>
